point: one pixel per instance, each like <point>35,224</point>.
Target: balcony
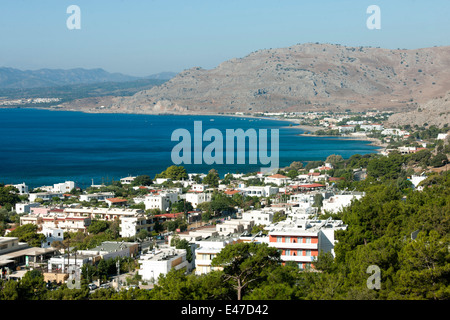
<point>297,258</point>
<point>294,246</point>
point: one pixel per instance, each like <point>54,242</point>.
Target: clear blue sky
<point>141,37</point>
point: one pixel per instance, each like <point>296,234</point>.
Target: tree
<point>439,160</point>
<point>318,200</point>
<point>278,216</point>
<point>143,233</point>
<point>28,233</point>
<point>143,180</point>
<point>9,196</point>
<point>296,165</point>
<point>313,164</point>
<point>97,226</point>
<point>292,173</point>
<point>245,263</point>
<point>32,286</point>
<point>334,159</point>
<point>182,244</point>
<point>173,173</point>
<point>206,216</point>
<point>182,206</point>
<point>212,178</point>
<point>425,271</point>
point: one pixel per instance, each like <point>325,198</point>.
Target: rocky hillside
<point>434,112</point>
<point>300,78</point>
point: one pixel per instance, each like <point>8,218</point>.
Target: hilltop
<point>303,77</point>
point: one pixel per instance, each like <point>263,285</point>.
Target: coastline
<point>373,141</point>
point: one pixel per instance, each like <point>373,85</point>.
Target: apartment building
<point>264,217</point>
<point>100,196</point>
<point>277,179</point>
<point>207,250</point>
<point>160,262</point>
<point>107,214</point>
<point>259,191</point>
<point>301,240</point>
<point>131,226</point>
<point>195,198</point>
<point>161,201</point>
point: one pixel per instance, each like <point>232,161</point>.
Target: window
<point>308,252</point>
<point>279,239</point>
<point>288,252</point>
<point>308,240</point>
<point>300,239</point>
<point>288,239</point>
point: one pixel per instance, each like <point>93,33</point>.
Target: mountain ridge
<point>302,77</point>
<point>12,78</point>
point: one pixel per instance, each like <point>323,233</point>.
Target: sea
<point>43,147</point>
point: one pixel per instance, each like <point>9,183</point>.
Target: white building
<point>208,250</point>
<point>195,198</point>
<point>300,240</point>
<point>107,214</point>
<point>131,226</point>
<point>264,217</point>
<point>259,191</point>
<point>442,136</point>
<point>346,128</point>
<point>26,207</point>
<point>160,201</point>
<point>198,187</point>
<point>339,201</point>
<point>394,132</point>
<point>160,262</point>
<point>100,196</point>
<point>46,196</point>
<point>64,187</point>
<point>372,127</point>
<point>22,187</point>
<point>51,235</point>
<point>416,180</point>
<point>127,180</point>
<point>233,226</point>
<point>277,179</point>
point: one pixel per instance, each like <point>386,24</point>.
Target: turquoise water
<point>41,147</point>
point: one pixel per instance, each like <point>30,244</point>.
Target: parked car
<point>105,286</point>
<point>92,286</point>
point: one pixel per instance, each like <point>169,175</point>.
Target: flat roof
<point>28,252</point>
<point>110,246</point>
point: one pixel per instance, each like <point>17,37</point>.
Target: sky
<point>143,37</point>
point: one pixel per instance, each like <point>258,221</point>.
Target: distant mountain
<point>300,78</point>
<point>11,78</point>
<point>162,76</point>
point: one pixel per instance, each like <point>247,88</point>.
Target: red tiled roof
<point>278,176</point>
<point>231,192</point>
<point>169,215</point>
<point>335,179</point>
<point>115,200</point>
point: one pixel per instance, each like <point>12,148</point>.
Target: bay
<point>43,147</point>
